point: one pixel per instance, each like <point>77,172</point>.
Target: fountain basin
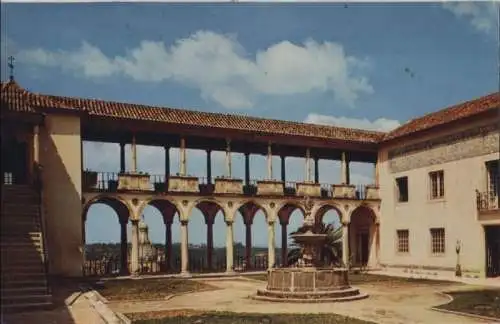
<point>313,285</point>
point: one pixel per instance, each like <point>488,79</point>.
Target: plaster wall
<point>60,156</point>
<point>461,154</point>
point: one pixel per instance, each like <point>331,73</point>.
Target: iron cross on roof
<point>10,64</point>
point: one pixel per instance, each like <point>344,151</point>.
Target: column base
<point>230,273</point>
<point>135,274</point>
<point>185,274</point>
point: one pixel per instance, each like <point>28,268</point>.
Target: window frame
<point>436,185</point>
<point>437,248</point>
<point>398,192</point>
<point>400,241</point>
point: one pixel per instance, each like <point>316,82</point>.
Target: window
<point>437,240</point>
<point>403,241</point>
<point>437,184</point>
<point>402,184</point>
<point>493,178</point>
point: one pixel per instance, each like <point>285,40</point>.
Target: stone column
<point>247,168</point>
<point>134,255</point>
<point>168,245</point>
<point>373,249</point>
<point>316,170</point>
<point>167,161</point>
<point>270,245</point>
<point>36,144</point>
<point>308,165</point>
<point>182,157</point>
<point>122,157</point>
<point>134,154</point>
<point>284,244</point>
<point>184,248</point>
<point>228,158</point>
<point>283,169</point>
<point>345,244</point>
<point>248,243</point>
<point>344,169</point>
<point>209,221</point>
<point>209,166</point>
<point>229,247</point>
<point>269,161</point>
<point>123,247</point>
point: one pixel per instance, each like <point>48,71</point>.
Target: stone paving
<point>386,304</point>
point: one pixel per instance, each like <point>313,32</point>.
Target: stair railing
<point>42,219</point>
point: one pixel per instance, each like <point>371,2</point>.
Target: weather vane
<point>11,67</point>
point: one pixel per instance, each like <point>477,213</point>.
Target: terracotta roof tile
<point>447,115</point>
<point>16,99</point>
<point>216,120</point>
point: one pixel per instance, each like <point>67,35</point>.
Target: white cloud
<point>221,69</point>
<point>380,124</point>
<point>482,15</point>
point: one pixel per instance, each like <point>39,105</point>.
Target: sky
<point>370,66</point>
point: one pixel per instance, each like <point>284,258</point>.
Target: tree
<point>331,251</point>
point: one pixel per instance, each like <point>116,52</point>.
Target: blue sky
<point>368,65</point>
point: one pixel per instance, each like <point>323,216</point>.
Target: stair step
<point>23,283</point>
<point>36,298</point>
<point>22,291</point>
<point>39,268</point>
<point>22,307</point>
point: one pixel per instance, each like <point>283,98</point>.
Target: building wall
<point>461,155</point>
<point>60,156</point>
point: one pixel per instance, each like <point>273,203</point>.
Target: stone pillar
<point>270,245</point>
<point>123,247</point>
<point>36,144</point>
<point>248,243</point>
<point>122,157</point>
<point>228,158</point>
<point>209,221</point>
<point>283,169</point>
<point>345,244</point>
<point>209,166</point>
<point>182,157</point>
<point>344,169</point>
<point>184,248</point>
<point>229,247</point>
<point>308,165</point>
<point>284,244</point>
<point>167,161</point>
<point>247,168</point>
<point>134,154</point>
<point>316,170</point>
<point>373,249</point>
<point>168,245</point>
<point>269,161</point>
<point>134,255</point>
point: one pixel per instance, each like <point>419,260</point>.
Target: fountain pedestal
<point>309,281</point>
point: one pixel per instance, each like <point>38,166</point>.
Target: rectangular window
<point>437,184</point>
<point>403,241</point>
<point>437,240</point>
<point>402,184</point>
<point>493,178</point>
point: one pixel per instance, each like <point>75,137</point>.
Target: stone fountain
<point>309,281</point>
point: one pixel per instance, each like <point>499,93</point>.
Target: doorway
<point>363,252</point>
<point>492,238</point>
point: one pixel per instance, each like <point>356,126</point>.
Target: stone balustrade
<point>134,182</point>
<point>344,191</point>
<point>310,189</point>
<point>270,188</point>
<point>183,184</point>
<point>228,186</point>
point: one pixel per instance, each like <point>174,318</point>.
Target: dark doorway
<point>14,162</point>
<point>492,235</point>
<point>363,248</point>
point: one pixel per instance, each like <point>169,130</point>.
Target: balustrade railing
<point>487,200</point>
<point>108,182</point>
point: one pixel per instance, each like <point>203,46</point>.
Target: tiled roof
<point>447,115</point>
<point>216,120</point>
<point>16,99</point>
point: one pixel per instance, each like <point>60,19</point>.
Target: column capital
<point>229,222</point>
<point>345,223</point>
<point>166,147</point>
<point>271,222</point>
<point>184,222</point>
<point>134,221</point>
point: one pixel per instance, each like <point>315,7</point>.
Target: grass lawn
<point>364,278</point>
<point>484,302</point>
<point>198,317</point>
<point>148,289</point>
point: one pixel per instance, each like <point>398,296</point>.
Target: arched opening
<point>291,217</point>
<point>329,218</point>
<point>255,250</point>
<point>363,237</point>
<point>106,244</point>
<point>159,241</point>
<point>207,238</point>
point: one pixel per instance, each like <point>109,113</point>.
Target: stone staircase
<point>24,284</point>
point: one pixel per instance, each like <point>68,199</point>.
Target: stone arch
<point>320,210</point>
<point>257,206</point>
<point>292,205</point>
<point>209,203</point>
<point>161,204</point>
<point>118,204</point>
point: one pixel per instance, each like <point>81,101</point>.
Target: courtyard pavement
<point>387,304</point>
